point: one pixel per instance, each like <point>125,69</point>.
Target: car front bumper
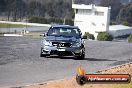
<point>63,51</point>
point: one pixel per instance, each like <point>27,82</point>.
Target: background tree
<point>15,8</point>
<point>116,5</point>
<point>8,8</point>
<point>35,8</point>
<point>2,5</point>
<point>61,9</point>
<point>125,15</point>
<point>84,1</point>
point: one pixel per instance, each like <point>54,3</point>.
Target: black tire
<point>82,56</point>
<point>81,80</point>
<point>42,55</point>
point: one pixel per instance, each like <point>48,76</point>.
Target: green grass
<point>4,25</point>
<point>3,18</point>
<point>33,35</point>
<point>1,34</point>
<point>123,85</point>
<point>130,39</point>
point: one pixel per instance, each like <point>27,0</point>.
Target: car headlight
<point>76,44</point>
<point>47,43</point>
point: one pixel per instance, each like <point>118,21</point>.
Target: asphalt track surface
<point>21,64</point>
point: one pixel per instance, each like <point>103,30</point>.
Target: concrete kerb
<point>117,66</point>
<point>25,23</point>
<point>17,35</point>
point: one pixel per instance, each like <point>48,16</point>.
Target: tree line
<point>18,10</point>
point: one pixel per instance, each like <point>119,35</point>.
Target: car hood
<point>62,38</point>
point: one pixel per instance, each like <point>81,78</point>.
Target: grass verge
<point>5,25</point>
<point>35,35</point>
<point>123,85</point>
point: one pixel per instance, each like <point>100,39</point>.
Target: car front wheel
<point>43,55</point>
<point>82,56</point>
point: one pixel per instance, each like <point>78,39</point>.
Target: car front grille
<point>61,44</point>
<point>61,53</point>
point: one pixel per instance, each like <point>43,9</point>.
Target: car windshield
<point>60,31</point>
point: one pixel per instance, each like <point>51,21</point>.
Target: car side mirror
<point>43,35</point>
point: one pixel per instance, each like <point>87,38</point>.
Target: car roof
<point>65,26</point>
